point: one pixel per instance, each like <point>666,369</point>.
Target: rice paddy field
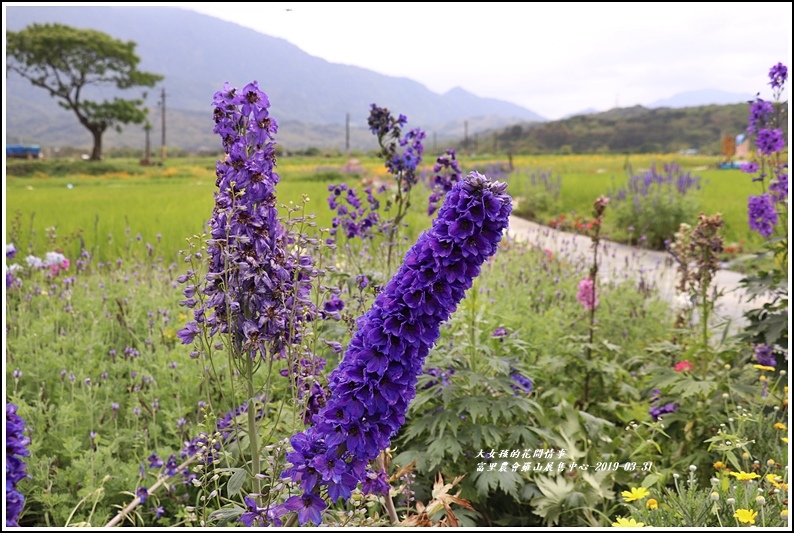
<point>173,201</point>
<point>479,381</point>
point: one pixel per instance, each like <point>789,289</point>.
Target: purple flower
<point>16,448</point>
<point>750,168</point>
<point>524,383</point>
<point>376,483</point>
<point>402,166</point>
<point>309,507</point>
<point>171,466</point>
<point>371,388</point>
<point>779,188</point>
<point>760,111</point>
<point>587,294</point>
<point>142,493</point>
<point>778,74</point>
<point>762,214</point>
<point>11,251</point>
<point>355,218</point>
<point>447,173</point>
<point>334,304</point>
<point>253,513</point>
<point>499,332</point>
<point>657,411</point>
<point>770,141</point>
<point>764,355</point>
<point>188,333</point>
<point>158,512</point>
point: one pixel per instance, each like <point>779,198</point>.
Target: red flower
<point>683,366</point>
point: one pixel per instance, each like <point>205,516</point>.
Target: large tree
<point>65,61</point>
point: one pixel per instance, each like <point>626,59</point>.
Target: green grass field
<point>108,204</point>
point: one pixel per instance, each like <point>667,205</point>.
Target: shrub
<point>655,204</point>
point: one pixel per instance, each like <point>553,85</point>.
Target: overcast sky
<point>554,59</point>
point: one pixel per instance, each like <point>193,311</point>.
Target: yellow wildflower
<point>745,516</point>
<point>652,504</point>
<point>780,425</point>
<point>635,494</point>
<point>627,522</point>
<point>774,480</point>
<point>744,476</point>
<point>784,439</point>
<point>784,514</point>
<point>762,367</point>
<point>719,465</point>
<point>762,378</point>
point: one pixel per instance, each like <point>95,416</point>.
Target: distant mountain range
<point>197,54</point>
<point>310,96</point>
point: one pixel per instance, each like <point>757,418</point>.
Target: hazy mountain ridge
<point>626,130</point>
<point>198,53</point>
<point>700,98</point>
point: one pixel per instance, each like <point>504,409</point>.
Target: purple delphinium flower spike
<point>255,289</point>
<point>370,390</point>
<point>16,448</point>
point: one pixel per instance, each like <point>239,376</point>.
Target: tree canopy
<point>66,60</point>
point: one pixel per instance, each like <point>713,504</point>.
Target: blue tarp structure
<point>731,164</point>
<point>24,151</point>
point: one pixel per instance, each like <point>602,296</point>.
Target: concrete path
<point>618,261</point>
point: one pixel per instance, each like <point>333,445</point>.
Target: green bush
<point>652,205</point>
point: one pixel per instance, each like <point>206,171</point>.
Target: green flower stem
<point>252,435</point>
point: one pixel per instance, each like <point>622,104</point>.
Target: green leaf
<point>236,481</point>
<point>226,514</point>
<point>650,480</point>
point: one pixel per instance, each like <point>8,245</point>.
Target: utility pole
<point>162,112</point>
<point>147,155</point>
<point>347,134</point>
<point>466,135</point>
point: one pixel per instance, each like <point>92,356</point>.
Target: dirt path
<point>617,261</point>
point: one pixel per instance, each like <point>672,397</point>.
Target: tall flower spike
<point>376,379</point>
<point>255,289</point>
